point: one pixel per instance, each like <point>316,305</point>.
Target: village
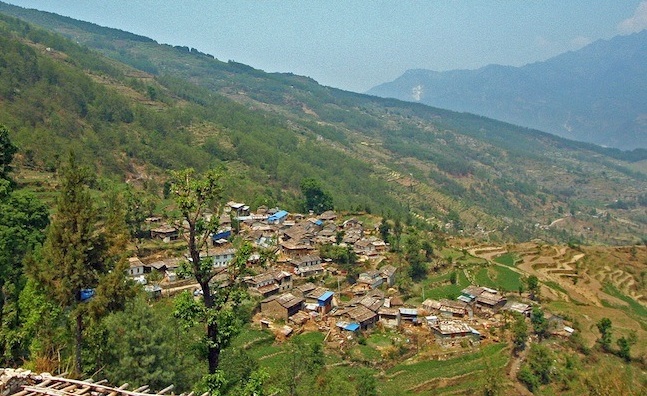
<point>293,297</point>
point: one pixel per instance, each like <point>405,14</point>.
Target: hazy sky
<point>356,45</point>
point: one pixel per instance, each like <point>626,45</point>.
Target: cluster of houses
<point>450,321</point>
<point>295,238</point>
<point>287,291</point>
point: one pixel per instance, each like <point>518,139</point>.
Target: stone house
<point>307,265</point>
<point>321,299</point>
<point>362,316</point>
<point>389,317</point>
<point>388,274</point>
<point>450,332</point>
<point>281,307</point>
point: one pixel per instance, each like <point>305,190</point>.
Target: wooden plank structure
<point>25,383</point>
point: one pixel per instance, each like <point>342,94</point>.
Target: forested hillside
<point>121,263</point>
<point>185,108</point>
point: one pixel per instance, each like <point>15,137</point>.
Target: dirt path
<point>174,290</point>
<point>515,365</point>
<point>487,252</point>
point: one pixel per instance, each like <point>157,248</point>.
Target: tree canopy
<point>76,269</point>
<point>316,199</point>
<point>197,197</point>
<point>22,222</point>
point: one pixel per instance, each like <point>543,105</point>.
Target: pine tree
<point>73,253</point>
<point>7,150</point>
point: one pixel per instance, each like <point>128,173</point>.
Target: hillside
<point>173,107</point>
<point>595,94</point>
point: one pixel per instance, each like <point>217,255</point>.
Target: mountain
<point>135,108</point>
<point>596,94</point>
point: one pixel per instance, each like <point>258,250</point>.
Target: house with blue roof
<point>278,217</point>
<point>322,297</point>
<point>348,326</point>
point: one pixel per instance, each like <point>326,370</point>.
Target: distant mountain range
<point>597,94</point>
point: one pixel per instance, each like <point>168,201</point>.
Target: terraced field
<point>451,376</point>
<point>585,283</point>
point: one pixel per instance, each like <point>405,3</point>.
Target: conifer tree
<point>7,150</point>
<point>73,253</point>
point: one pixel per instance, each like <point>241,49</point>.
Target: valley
<point>241,232</point>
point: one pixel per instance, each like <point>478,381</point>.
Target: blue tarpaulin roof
<point>351,327</point>
<point>326,296</point>
<point>86,294</point>
<point>221,235</point>
<point>278,215</point>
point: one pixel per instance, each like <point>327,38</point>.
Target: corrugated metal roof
<point>278,215</point>
<point>408,311</point>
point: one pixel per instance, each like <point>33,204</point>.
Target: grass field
<point>448,290</point>
<point>410,378</point>
<point>587,316</point>
<point>556,286</point>
<point>508,259</point>
<point>500,278</point>
<point>633,308</point>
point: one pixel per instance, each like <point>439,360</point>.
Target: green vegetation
<point>220,309</point>
<point>508,259</point>
<point>532,284</point>
<point>22,223</point>
<point>604,327</point>
<point>316,199</point>
<point>498,277</point>
<point>78,260</point>
<point>412,174</point>
<point>519,333</point>
<point>403,378</point>
<point>556,286</point>
<point>448,290</point>
<point>634,307</point>
<point>538,369</point>
<point>305,131</point>
<point>145,345</point>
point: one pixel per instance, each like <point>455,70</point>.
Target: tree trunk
<point>79,343</point>
<point>213,349</point>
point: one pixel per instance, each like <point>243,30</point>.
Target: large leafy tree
<point>538,368</point>
<point>197,198</point>
<point>539,322</point>
<point>534,288</point>
<point>316,199</point>
<point>519,333</point>
<point>417,265</point>
<point>141,345</point>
